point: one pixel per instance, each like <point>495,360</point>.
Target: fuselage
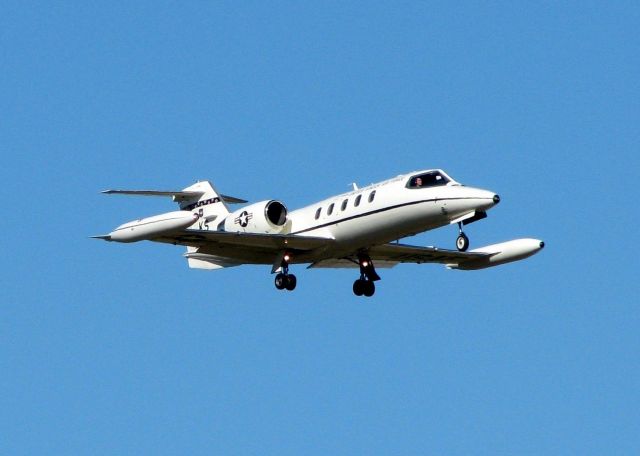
<point>353,229</point>
<point>390,210</point>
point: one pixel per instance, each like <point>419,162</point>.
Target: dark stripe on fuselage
<point>411,203</point>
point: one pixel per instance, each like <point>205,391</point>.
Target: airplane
<point>359,229</point>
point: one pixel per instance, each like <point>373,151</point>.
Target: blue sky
<point>121,349</point>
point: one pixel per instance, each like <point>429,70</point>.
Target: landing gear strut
<point>283,279</point>
<point>462,242</point>
<point>365,284</point>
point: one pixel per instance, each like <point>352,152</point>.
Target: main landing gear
<point>364,287</point>
<point>283,279</point>
<point>365,284</point>
<point>462,242</point>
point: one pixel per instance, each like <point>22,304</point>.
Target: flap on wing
<point>205,261</point>
<point>402,253</point>
<point>275,242</point>
<point>348,264</point>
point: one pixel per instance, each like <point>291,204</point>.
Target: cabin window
<point>318,213</point>
<point>372,196</point>
<point>344,204</point>
<point>356,203</point>
<point>430,179</point>
<point>330,210</point>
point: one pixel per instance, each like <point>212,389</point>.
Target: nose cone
<point>485,199</point>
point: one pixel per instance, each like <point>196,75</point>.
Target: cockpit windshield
<point>428,179</point>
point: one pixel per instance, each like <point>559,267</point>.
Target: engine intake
<point>276,213</point>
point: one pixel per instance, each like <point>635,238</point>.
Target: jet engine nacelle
<point>263,217</point>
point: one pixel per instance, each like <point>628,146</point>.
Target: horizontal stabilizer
<point>233,199</point>
<point>176,195</point>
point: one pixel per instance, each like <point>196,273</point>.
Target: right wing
<point>390,255</point>
<point>402,253</point>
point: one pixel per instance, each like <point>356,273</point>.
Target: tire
<point>358,287</point>
<point>280,281</point>
<point>369,288</point>
<point>292,281</point>
<point>462,242</point>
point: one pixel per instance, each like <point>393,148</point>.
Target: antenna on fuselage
<point>355,186</point>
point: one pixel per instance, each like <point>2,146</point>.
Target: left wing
<point>219,249</point>
<point>275,242</point>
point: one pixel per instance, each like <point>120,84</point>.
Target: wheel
<point>462,242</point>
<point>291,282</point>
<point>369,288</point>
<point>358,287</point>
<point>281,281</point>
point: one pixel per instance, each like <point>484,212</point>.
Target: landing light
<point>287,257</point>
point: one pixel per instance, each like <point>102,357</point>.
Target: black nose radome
<point>542,244</point>
<point>496,199</point>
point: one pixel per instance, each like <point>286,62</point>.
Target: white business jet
<point>360,229</point>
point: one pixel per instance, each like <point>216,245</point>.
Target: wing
<point>275,242</point>
<point>224,249</point>
<point>390,255</point>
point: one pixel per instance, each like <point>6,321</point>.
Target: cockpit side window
<point>430,179</point>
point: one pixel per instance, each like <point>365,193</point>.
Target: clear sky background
<point>121,349</point>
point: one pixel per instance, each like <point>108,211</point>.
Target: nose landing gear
<point>462,242</point>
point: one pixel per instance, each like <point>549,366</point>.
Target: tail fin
<point>211,206</point>
<point>200,197</point>
<point>203,199</point>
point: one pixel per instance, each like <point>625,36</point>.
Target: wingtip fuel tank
<point>505,252</point>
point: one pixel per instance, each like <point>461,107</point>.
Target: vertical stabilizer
<point>211,208</point>
<point>209,204</point>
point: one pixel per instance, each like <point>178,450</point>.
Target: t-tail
<point>200,207</point>
<point>203,199</point>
